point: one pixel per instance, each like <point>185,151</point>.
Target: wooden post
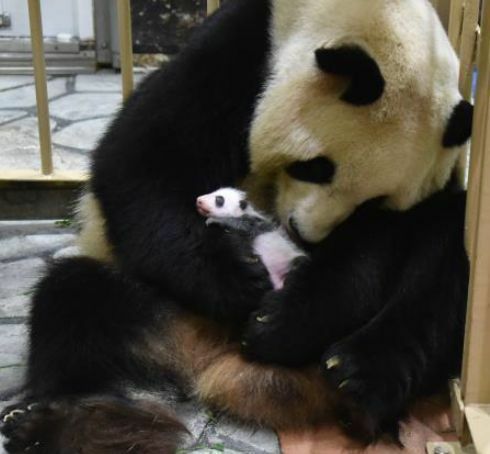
<point>38,62</point>
<point>125,45</point>
<point>212,5</point>
<point>476,361</point>
<point>456,12</point>
<point>467,48</point>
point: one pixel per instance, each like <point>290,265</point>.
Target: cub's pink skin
<point>229,207</point>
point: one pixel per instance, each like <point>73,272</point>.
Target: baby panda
<point>230,208</point>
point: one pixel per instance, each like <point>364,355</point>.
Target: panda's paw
<point>274,334</point>
<point>25,424</point>
<point>370,391</point>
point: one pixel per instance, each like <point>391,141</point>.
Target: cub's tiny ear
<point>458,128</point>
<point>366,81</point>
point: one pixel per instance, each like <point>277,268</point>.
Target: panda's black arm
<point>366,261</point>
<point>183,133</point>
<point>342,284</point>
<point>414,345</point>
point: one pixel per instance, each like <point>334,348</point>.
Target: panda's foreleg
<point>88,327</point>
<point>412,347</point>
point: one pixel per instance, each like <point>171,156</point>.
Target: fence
<point>47,174</point>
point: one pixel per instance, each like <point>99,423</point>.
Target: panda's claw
<point>332,362</point>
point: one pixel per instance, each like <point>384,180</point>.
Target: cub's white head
<point>362,101</point>
<point>225,202</point>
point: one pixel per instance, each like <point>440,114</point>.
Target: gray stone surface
<point>10,115</point>
<point>12,348</point>
<point>83,134</point>
<point>80,106</point>
<point>25,96</point>
<point>7,82</point>
<point>18,277</point>
<point>24,246</point>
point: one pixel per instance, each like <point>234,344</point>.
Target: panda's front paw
<point>277,333</point>
<point>371,385</point>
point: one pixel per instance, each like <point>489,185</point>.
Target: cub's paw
<point>25,425</point>
<point>276,334</point>
<point>371,388</point>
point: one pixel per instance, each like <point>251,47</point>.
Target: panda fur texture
<point>329,98</point>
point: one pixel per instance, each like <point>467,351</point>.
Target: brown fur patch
<point>268,395</point>
<point>220,377</point>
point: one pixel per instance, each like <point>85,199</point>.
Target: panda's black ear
<point>366,81</point>
<point>458,128</point>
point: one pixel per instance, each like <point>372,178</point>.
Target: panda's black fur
<point>381,300</point>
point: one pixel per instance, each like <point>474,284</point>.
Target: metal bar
<point>212,6</point>
<point>126,45</point>
<point>476,370</point>
<point>41,86</point>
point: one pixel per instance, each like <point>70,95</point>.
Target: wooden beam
<point>212,6</point>
<point>478,418</point>
<point>125,45</point>
<point>38,62</point>
<point>467,47</point>
<point>476,360</point>
<point>13,178</point>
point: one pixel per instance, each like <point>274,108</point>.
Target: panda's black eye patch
<point>243,205</point>
<point>219,201</point>
<point>318,170</point>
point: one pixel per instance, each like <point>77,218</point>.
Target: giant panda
<point>344,120</point>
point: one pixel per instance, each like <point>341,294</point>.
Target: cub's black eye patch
<point>318,170</point>
<point>219,201</point>
<point>243,205</point>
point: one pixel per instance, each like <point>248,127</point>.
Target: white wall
<point>59,16</point>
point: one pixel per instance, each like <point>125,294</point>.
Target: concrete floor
<point>80,109</point>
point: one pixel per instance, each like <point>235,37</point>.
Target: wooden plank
<point>467,48</point>
<point>38,62</point>
<point>10,178</point>
<point>476,370</point>
<point>478,418</point>
<point>126,45</point>
<point>212,6</point>
<point>455,23</point>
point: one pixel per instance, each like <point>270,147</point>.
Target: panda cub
<point>230,208</point>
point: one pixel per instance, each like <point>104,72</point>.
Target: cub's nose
<point>199,202</point>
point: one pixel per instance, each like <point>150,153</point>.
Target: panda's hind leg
<point>88,325</point>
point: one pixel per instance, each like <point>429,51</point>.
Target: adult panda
<point>354,124</point>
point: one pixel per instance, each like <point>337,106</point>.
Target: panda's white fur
<point>390,148</point>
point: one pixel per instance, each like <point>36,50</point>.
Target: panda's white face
<point>356,106</point>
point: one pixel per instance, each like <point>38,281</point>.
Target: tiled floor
<point>80,109</point>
